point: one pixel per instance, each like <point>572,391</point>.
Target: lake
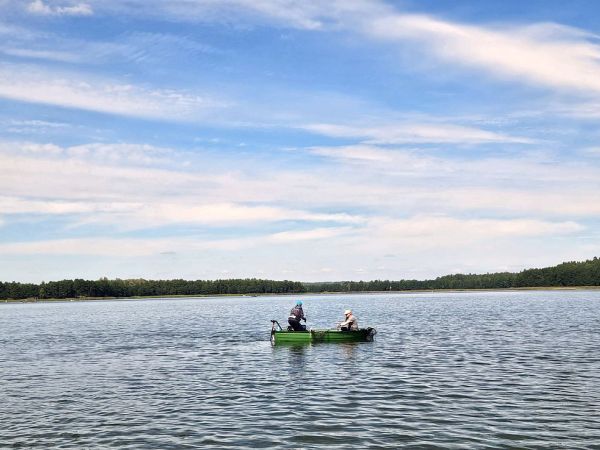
<point>446,370</point>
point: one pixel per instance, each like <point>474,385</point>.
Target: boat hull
<point>312,336</point>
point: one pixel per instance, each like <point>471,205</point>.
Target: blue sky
<point>316,140</point>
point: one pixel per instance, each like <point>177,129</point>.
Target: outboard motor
<point>371,332</point>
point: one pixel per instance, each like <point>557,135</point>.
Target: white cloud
<point>97,246</point>
<point>566,201</point>
<point>394,202</point>
<point>145,214</point>
<point>415,133</point>
<point>371,178</point>
<point>135,247</point>
<point>535,170</point>
<point>38,124</point>
<point>579,110</point>
<point>72,178</point>
<point>84,186</point>
<point>172,211</point>
<point>319,233</point>
<point>543,54</point>
<point>448,231</point>
<point>591,151</point>
<point>51,55</point>
<point>424,247</point>
<point>78,9</point>
<point>14,31</point>
<point>361,153</point>
<point>122,185</point>
<point>35,127</point>
<point>390,162</point>
<point>32,84</point>
<point>98,153</point>
<point>303,15</point>
<point>127,154</point>
<point>18,205</point>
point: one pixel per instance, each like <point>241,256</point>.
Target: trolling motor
<point>273,323</point>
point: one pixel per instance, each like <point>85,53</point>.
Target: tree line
<point>144,288</point>
<point>583,273</point>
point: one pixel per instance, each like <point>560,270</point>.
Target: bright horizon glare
<point>311,141</point>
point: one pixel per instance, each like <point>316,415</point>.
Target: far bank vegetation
<point>568,274</point>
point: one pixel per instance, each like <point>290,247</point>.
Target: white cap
<point>348,311</point>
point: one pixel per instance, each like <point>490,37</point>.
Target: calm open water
<point>446,370</point>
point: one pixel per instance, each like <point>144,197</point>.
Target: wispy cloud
<point>403,133</point>
<point>542,54</point>
<point>445,230</point>
<point>361,153</point>
<point>317,233</point>
<point>591,151</point>
<point>129,215</point>
<point>33,126</point>
<point>130,187</point>
<point>586,109</point>
<point>133,247</point>
<point>51,55</point>
<point>33,84</point>
<point>421,232</point>
<point>132,46</point>
<point>303,15</point>
<point>77,9</point>
<point>565,200</point>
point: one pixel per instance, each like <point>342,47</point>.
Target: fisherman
<point>296,315</point>
<point>350,323</point>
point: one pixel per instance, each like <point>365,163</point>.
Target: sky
<point>313,140</point>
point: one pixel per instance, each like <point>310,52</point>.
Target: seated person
<point>350,323</point>
<point>296,315</point>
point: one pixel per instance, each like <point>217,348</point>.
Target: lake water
<point>446,370</point>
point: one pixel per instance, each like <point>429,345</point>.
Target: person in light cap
<point>350,322</point>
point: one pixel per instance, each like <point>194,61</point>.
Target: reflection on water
<point>298,353</point>
<point>463,370</point>
<point>349,351</point>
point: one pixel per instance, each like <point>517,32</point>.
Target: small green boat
<point>280,336</point>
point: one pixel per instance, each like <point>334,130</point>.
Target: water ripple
<point>446,371</point>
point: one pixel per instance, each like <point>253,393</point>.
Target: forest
<point>568,274</point>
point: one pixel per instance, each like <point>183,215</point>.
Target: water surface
<point>446,370</point>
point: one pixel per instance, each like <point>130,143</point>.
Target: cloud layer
<point>77,9</point>
<point>309,140</point>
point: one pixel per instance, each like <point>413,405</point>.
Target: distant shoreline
<point>303,294</point>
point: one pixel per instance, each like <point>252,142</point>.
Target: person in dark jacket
<point>296,315</point>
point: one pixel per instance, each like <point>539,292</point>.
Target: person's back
<point>296,315</point>
<point>297,312</point>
